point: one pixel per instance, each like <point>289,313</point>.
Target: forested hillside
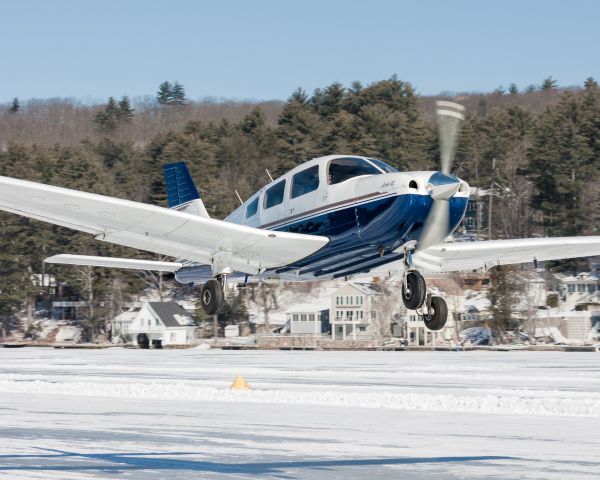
<point>540,149</point>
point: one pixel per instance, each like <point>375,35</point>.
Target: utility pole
<point>491,199</point>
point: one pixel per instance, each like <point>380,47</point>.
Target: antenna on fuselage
<point>269,173</point>
<point>238,195</point>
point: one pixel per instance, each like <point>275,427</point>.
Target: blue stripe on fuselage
<point>360,232</point>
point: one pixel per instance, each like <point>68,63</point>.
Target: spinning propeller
<point>442,186</point>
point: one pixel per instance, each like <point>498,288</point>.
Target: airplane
<point>337,216</point>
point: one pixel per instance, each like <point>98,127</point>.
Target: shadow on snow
<point>161,461</point>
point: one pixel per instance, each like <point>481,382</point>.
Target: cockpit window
<point>384,166</point>
<point>341,169</point>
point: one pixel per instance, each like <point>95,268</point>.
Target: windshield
<point>341,169</point>
<point>384,166</point>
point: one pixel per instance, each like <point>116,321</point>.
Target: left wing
<point>156,229</point>
<point>466,256</point>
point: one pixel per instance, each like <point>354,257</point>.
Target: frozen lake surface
<point>116,413</point>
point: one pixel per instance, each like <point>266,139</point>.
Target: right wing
<point>466,256</point>
<point>157,229</point>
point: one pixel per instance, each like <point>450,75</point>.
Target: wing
<point>466,256</point>
<point>157,229</point>
<point>113,262</point>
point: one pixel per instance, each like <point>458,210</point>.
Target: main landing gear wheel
<point>212,297</point>
<point>413,290</point>
<point>437,314</point>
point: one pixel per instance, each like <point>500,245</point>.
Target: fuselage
<point>367,209</point>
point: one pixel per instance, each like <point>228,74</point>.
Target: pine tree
<point>165,93</point>
<point>108,119</point>
<point>15,106</point>
<point>562,160</point>
<point>125,111</point>
<point>502,295</point>
<point>530,88</point>
<point>300,130</point>
<point>549,83</point>
<point>513,89</point>
<point>178,94</point>
<point>590,83</point>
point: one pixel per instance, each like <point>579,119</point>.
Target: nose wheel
<point>413,290</point>
<point>212,296</point>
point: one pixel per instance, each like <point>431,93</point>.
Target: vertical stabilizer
<point>182,194</point>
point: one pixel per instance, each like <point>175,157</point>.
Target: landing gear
<point>413,290</point>
<point>212,296</point>
<point>437,314</point>
<point>433,310</point>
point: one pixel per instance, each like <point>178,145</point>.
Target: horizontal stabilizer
<point>112,262</point>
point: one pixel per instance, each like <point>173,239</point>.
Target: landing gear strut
<point>212,296</point>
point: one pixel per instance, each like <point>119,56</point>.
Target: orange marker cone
<point>239,384</point>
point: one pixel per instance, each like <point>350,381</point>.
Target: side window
<point>274,195</point>
<point>342,169</point>
<point>252,208</point>
<point>305,181</point>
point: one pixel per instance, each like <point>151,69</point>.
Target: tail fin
<point>182,194</point>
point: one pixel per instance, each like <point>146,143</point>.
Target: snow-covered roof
<point>126,317</point>
<point>580,277</point>
<point>315,307</point>
<point>275,318</point>
<point>368,288</point>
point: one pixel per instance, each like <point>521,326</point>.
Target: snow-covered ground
<point>148,414</point>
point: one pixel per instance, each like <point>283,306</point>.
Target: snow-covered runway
<point>328,415</point>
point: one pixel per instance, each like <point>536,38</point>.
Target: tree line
<point>539,150</point>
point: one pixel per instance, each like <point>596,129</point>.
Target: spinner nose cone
<point>442,186</point>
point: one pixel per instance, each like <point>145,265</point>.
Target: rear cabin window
<point>305,181</point>
<point>342,169</point>
<point>274,195</point>
<point>252,208</point>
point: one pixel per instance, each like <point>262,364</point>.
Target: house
<point>308,318</point>
<point>416,333</point>
<point>121,324</point>
<point>165,321</point>
<point>582,288</point>
<point>355,312</point>
<point>580,326</point>
<point>534,289</point>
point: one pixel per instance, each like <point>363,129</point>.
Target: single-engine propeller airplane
<point>337,216</point>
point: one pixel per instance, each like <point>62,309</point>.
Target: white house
<point>165,321</point>
<point>416,333</point>
<point>308,318</point>
<point>582,288</point>
<point>120,325</point>
<point>354,311</point>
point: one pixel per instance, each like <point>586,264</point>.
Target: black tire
<point>413,295</point>
<point>211,297</point>
<point>437,319</point>
<point>143,341</point>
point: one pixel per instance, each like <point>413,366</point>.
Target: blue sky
<point>264,49</point>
